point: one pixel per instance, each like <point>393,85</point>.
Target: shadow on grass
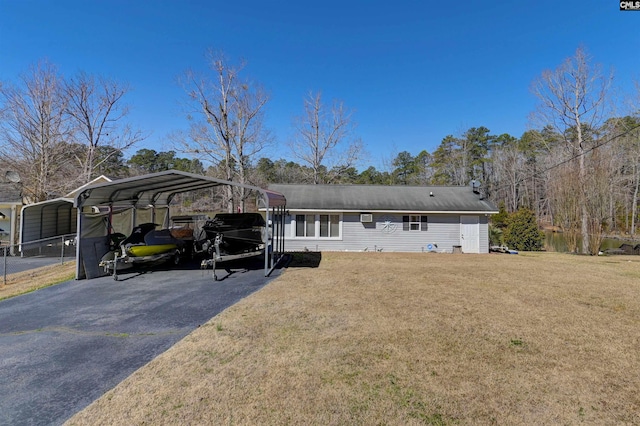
<point>305,259</point>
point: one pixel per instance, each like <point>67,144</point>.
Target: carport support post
<point>4,268</point>
<point>267,255</point>
<point>62,250</point>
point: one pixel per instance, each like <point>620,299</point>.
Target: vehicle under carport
<point>119,205</point>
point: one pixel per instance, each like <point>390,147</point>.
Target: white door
<point>470,234</point>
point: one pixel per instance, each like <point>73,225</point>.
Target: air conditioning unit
<point>366,217</point>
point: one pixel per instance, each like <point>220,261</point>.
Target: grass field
<point>389,338</point>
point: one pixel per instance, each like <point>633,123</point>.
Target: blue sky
<point>412,71</point>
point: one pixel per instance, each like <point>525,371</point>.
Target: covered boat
<point>145,245</point>
<point>146,241</point>
<point>232,236</point>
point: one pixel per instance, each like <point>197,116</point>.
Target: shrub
<point>495,236</point>
<point>499,220</point>
<point>522,231</point>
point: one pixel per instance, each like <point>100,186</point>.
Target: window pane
<point>414,223</point>
<point>311,225</point>
<point>299,225</point>
<point>335,225</point>
<point>324,225</point>
<point>424,224</point>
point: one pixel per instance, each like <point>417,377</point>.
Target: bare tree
<point>564,192</point>
<point>227,125</point>
<point>35,130</point>
<point>572,100</point>
<point>508,170</point>
<point>321,139</point>
<point>95,106</point>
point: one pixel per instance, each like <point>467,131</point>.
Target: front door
<point>470,234</point>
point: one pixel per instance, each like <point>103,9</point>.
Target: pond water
<point>555,241</point>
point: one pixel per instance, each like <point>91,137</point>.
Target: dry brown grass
<point>387,338</point>
<point>27,281</point>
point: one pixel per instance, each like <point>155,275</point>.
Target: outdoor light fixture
<point>2,216</point>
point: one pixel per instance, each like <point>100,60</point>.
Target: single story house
<point>385,218</point>
<point>10,205</point>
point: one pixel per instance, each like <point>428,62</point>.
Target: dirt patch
<point>389,338</point>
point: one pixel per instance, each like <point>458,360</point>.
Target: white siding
<point>484,234</point>
<point>385,233</point>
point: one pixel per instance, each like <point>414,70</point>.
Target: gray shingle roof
<point>10,193</point>
<point>366,198</point>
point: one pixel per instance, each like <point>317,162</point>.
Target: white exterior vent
<point>366,217</point>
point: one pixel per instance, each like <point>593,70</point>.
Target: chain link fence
<point>35,254</point>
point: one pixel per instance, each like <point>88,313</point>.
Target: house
<point>385,218</point>
<point>10,205</point>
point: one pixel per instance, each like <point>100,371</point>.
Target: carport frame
<point>159,189</point>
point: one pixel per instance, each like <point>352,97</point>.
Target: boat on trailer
<point>145,245</point>
<point>233,236</point>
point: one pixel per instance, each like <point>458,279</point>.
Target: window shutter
<point>405,223</point>
<point>423,223</point>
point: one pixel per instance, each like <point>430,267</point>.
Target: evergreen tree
<point>522,231</point>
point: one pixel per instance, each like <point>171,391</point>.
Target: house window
<point>329,225</point>
<point>305,225</point>
<point>318,225</point>
<point>414,222</point>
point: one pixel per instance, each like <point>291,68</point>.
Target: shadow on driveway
<point>64,346</point>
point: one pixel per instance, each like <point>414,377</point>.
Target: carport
<point>45,225</point>
<point>124,202</point>
<point>47,219</point>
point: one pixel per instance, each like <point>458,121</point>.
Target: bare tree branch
<point>320,137</point>
<point>96,108</point>
<point>226,121</point>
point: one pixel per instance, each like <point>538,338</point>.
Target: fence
<point>34,254</point>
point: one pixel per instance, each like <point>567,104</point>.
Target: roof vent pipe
<point>475,185</point>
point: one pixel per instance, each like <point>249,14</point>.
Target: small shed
<point>389,218</point>
<point>47,224</point>
<point>149,196</point>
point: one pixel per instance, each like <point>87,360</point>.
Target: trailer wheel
<point>176,258</point>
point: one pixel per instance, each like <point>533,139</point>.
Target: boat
<point>237,232</point>
<point>140,251</point>
<point>145,245</point>
<point>232,236</point>
<point>146,241</point>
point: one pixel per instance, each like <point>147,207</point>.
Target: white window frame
<point>316,235</point>
<point>416,223</point>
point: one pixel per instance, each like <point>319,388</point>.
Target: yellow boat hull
<point>141,251</point>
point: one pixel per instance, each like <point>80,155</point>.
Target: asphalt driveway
<point>64,346</point>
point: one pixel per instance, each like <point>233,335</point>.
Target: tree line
<point>578,169</point>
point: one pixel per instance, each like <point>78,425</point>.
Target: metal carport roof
<point>158,189</point>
